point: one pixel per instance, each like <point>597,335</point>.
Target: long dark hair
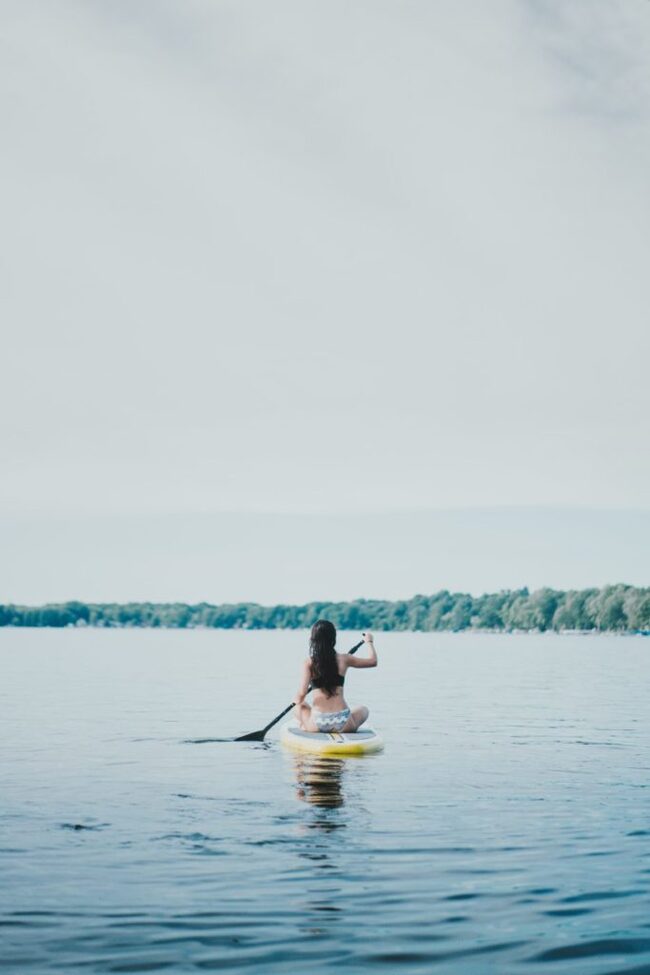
<point>324,668</point>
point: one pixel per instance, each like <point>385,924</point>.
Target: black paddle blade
<point>254,736</point>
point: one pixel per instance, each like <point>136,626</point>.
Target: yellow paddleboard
<point>362,742</point>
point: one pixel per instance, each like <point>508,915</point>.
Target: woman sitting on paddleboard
<point>325,671</point>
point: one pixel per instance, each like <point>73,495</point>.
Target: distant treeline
<point>614,608</point>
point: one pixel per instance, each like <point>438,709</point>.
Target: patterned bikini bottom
<point>330,720</point>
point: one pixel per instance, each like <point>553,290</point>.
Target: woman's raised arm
<point>370,661</point>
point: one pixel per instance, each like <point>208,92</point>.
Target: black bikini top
<point>339,682</point>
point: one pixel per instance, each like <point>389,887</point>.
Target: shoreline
<point>620,608</point>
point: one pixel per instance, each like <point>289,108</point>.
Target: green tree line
<point>619,608</point>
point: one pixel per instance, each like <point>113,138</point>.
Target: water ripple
<point>591,949</point>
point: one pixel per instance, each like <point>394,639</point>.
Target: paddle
<point>259,735</point>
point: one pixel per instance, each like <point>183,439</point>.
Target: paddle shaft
<point>289,706</point>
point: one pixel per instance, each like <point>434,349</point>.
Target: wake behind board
<point>362,742</point>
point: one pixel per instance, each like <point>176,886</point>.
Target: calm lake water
<point>505,829</point>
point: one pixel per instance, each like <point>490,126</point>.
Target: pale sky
<point>323,257</point>
<point>297,558</point>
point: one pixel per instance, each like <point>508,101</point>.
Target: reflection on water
<point>319,780</point>
<point>514,836</point>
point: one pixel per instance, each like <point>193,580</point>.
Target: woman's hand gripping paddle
<point>259,735</point>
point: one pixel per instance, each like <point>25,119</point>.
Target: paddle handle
<point>290,706</point>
